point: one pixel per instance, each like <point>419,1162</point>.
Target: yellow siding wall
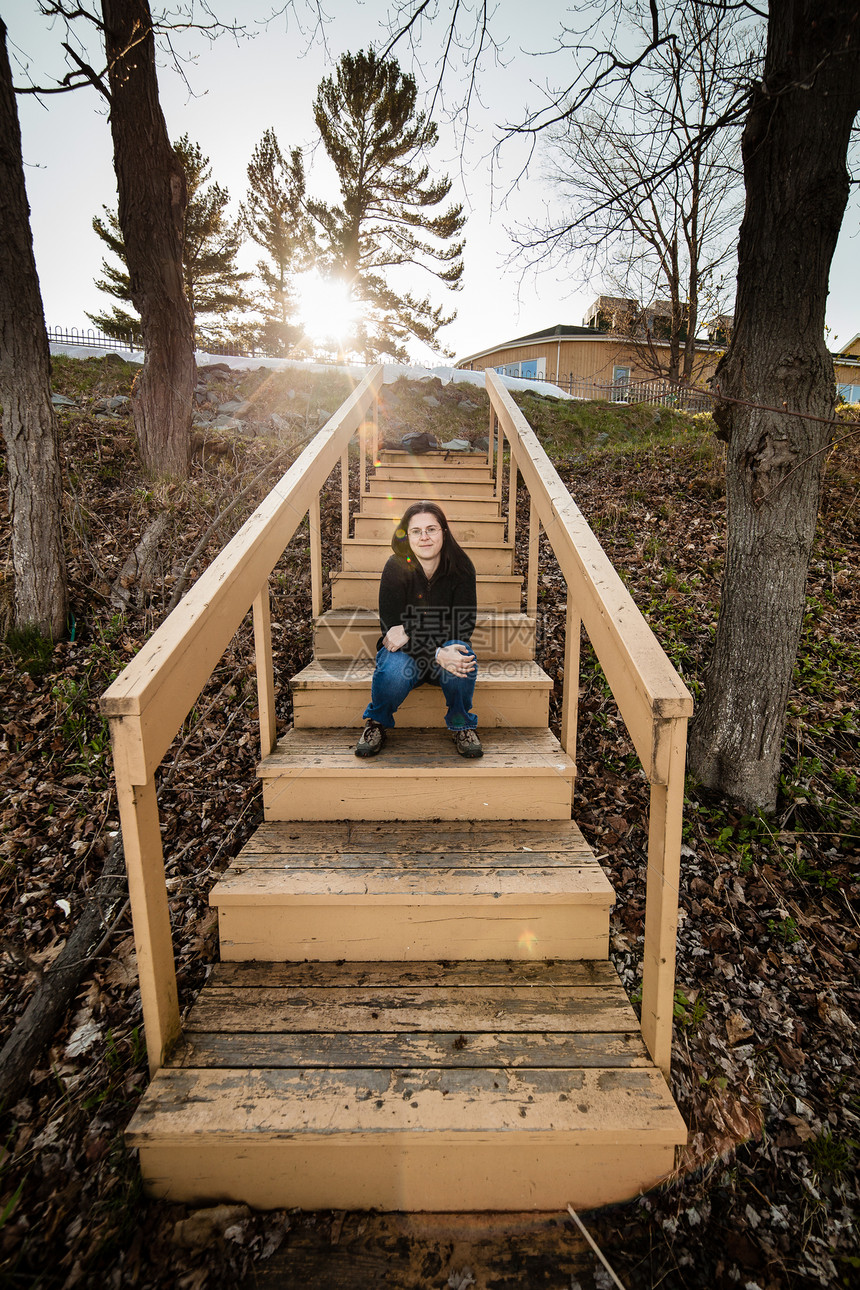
<point>583,359</point>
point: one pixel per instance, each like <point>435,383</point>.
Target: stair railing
<point>653,700</point>
<point>148,702</point>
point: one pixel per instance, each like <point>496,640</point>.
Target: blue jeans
<point>396,674</point>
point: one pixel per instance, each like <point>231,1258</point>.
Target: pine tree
<point>274,216</point>
<point>370,129</point>
<point>213,282</point>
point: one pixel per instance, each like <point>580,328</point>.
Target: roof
<point>561,331</point>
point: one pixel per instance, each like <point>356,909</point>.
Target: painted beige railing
<point>148,702</point>
<point>653,700</point>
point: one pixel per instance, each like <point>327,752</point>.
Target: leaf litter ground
<point>766,1009</point>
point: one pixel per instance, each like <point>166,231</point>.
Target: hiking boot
<point>467,743</point>
<point>371,741</point>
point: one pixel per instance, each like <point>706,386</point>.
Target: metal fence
<point>90,338</point>
<point>658,391</point>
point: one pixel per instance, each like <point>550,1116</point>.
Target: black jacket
<point>430,612</point>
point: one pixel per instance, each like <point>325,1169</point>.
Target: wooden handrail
<point>152,696</point>
<point>653,700</point>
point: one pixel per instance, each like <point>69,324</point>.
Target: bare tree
<point>775,386</point>
<point>152,203</point>
<point>29,425</point>
<point>649,191</point>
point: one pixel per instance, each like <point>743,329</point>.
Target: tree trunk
<point>29,426</point>
<point>152,200</point>
<point>38,1024</point>
<point>794,150</point>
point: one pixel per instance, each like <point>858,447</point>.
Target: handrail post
<point>570,685</point>
<point>491,436</point>
<point>150,913</point>
<point>534,538</point>
<point>500,453</point>
<point>512,498</point>
<point>316,557</point>
<point>265,670</point>
<point>362,457</point>
<point>375,444</point>
<point>661,901</point>
<point>344,495</point>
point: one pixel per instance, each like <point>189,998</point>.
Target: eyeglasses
<point>431,532</point>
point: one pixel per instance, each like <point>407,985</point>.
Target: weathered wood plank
<point>494,591</point>
<point>380,1010</point>
<point>248,1049</point>
<point>432,885</point>
<point>409,861</point>
<point>614,1106</point>
<point>462,975</point>
<point>507,754</point>
<point>466,837</point>
<point>346,674</point>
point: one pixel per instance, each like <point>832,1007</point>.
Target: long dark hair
<point>453,558</point>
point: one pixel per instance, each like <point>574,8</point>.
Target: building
<point>846,363</point>
<point>596,360</point>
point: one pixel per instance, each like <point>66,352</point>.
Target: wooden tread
<point>315,775</point>
<point>379,528</point>
<point>467,1087</point>
<point>392,506</point>
<point>452,471</point>
<point>413,892</point>
<point>507,693</point>
<point>353,634</point>
<point>428,489</point>
<point>361,590</point>
<point>360,555</point>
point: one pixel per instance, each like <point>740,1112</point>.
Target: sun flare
<point>325,309</point>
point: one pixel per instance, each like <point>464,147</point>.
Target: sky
<point>233,90</point>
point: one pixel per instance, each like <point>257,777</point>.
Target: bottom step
<point>492,1086</point>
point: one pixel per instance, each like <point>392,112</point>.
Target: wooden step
<point>361,556</point>
<point>492,1086</point>
<point>372,528</point>
<point>426,489</point>
<point>440,472</point>
<point>468,508</point>
<point>353,634</point>
<point>361,590</point>
<point>315,775</point>
<point>398,457</point>
<point>330,693</point>
<point>521,890</point>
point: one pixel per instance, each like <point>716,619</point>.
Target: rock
<point>119,403</point>
<point>431,401</point>
<point>60,401</point>
<point>223,422</point>
<point>235,408</point>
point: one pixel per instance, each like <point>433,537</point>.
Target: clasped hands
<point>456,659</point>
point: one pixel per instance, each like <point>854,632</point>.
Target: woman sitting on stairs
<point>427,610</point>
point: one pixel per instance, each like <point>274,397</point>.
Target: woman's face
<point>426,535</point>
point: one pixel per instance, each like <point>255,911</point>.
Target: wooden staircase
<point>414,1007</point>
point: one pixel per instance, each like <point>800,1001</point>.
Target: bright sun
<point>325,308</point>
